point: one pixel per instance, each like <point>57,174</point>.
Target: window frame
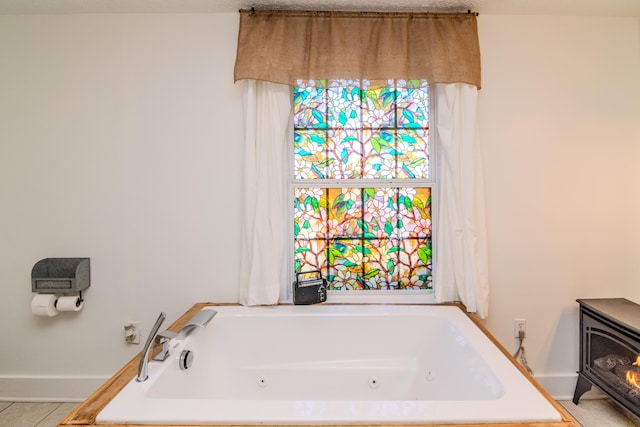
<point>372,296</point>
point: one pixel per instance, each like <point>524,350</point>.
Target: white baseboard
<point>48,389</point>
<point>561,387</point>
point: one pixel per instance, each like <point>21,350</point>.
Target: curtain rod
<point>253,10</point>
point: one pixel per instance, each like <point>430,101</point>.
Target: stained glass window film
<point>361,130</point>
<point>373,234</point>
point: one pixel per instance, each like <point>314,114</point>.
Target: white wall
<point>560,126</point>
<point>120,140</point>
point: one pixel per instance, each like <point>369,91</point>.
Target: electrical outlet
<point>132,332</point>
<point>519,325</point>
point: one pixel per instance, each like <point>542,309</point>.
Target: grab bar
<point>200,320</point>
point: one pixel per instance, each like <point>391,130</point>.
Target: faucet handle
<point>163,338</point>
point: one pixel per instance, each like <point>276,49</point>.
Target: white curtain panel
<point>268,132</point>
<point>461,272</point>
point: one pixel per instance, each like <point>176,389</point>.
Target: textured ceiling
<point>513,7</point>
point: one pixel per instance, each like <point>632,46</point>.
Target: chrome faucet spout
<point>144,358</point>
<point>200,320</point>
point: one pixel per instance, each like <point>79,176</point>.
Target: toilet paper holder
<point>61,276</point>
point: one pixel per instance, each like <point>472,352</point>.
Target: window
<point>362,183</point>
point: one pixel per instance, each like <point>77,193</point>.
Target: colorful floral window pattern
<point>374,233</point>
<point>347,129</point>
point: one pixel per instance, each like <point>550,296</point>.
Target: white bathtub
<point>334,364</point>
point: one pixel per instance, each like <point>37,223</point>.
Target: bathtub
<point>335,364</point>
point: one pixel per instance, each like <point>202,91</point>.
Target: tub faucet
<point>144,359</point>
<point>200,320</point>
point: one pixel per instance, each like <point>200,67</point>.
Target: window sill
<point>380,297</point>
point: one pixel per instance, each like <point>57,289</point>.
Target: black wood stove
<point>610,350</point>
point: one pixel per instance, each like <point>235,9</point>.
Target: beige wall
<point>120,140</point>
<point>560,126</point>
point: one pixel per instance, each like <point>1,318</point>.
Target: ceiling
<point>510,7</point>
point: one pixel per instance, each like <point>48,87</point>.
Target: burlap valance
<point>284,46</point>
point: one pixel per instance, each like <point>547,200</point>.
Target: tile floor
<point>599,413</point>
<point>589,413</point>
<point>30,414</point>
